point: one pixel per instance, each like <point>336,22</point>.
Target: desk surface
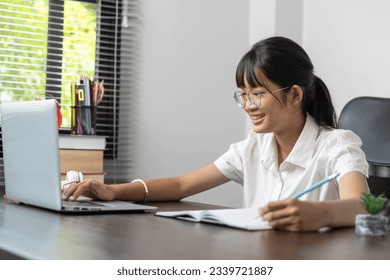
<point>32,233</point>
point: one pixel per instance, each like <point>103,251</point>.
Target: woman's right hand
<point>89,188</point>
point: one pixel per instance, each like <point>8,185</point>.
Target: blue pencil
<point>316,185</point>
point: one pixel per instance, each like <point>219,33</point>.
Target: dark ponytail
<point>318,103</point>
<point>286,63</point>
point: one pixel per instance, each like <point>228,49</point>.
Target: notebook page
<point>188,215</point>
<point>244,218</point>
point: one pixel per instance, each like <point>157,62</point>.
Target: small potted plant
<point>376,222</point>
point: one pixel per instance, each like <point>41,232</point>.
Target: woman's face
<point>274,113</point>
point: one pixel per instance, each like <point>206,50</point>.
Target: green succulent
<point>373,204</point>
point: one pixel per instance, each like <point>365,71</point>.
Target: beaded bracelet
<point>146,189</point>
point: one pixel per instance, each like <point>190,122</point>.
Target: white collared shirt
<point>318,153</point>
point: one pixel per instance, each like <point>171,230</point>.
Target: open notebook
<point>242,218</point>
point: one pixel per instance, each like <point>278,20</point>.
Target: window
<point>45,44</point>
<point>71,49</point>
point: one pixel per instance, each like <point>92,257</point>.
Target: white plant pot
<point>372,225</point>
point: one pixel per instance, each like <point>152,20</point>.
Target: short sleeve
<point>231,164</point>
<point>349,156</point>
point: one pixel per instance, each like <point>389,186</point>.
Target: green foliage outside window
<point>23,44</point>
<point>24,49</point>
<point>79,48</point>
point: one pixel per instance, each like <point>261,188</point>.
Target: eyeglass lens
<point>240,98</point>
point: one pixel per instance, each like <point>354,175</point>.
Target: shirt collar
<point>302,152</point>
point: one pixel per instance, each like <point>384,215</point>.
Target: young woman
<point>294,143</point>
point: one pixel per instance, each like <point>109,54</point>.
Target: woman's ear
<point>297,94</point>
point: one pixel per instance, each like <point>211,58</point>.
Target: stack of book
<point>83,153</point>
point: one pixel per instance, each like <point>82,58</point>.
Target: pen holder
<point>83,120</point>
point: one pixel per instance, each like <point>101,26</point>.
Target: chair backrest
<point>369,118</point>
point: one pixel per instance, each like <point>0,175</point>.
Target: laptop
<point>32,161</point>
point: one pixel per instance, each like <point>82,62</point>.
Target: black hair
<point>285,63</point>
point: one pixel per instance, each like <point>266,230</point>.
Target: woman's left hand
<point>294,215</point>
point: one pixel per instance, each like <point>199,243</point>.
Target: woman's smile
<point>257,118</point>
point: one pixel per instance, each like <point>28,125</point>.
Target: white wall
<point>186,114</point>
<point>349,43</point>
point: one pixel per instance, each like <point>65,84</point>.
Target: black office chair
<point>369,118</point>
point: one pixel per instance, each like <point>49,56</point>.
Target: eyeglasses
<point>254,97</point>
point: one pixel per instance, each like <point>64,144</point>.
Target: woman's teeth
<point>259,117</point>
